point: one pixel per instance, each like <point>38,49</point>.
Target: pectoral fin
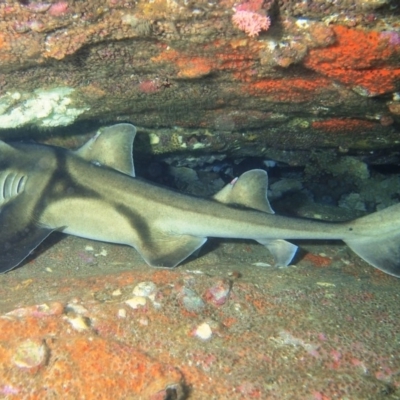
<point>164,250</point>
<point>19,235</point>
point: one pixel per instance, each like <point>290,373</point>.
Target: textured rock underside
<point>320,76</point>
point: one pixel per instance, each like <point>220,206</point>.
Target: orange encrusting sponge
<point>363,60</point>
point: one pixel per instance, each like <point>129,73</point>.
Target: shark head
<point>30,172</point>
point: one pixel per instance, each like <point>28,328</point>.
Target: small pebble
<point>76,308</point>
<point>326,284</point>
<point>154,139</point>
<point>103,253</point>
<point>145,289</point>
<point>218,294</point>
<point>79,323</point>
<point>261,264</point>
<point>38,311</point>
<point>136,302</point>
<point>30,354</point>
<point>191,300</point>
<point>116,292</point>
<point>203,331</point>
<point>122,313</point>
<point>235,274</point>
<point>195,272</point>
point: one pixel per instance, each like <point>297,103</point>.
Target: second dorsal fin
<point>249,190</point>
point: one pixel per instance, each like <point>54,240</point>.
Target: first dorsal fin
<point>111,146</point>
<point>249,190</point>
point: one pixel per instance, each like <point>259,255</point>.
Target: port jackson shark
<point>93,193</point>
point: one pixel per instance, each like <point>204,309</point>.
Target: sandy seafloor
<point>220,326</point>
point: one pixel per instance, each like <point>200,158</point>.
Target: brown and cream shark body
<point>93,193</point>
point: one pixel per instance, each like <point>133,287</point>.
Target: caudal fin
<point>382,247</point>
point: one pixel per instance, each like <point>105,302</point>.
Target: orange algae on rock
<point>7,57</point>
<point>120,365</point>
<point>188,67</point>
<point>194,67</point>
<point>288,89</point>
<point>364,60</point>
<point>75,365</point>
<point>343,125</point>
<point>2,41</point>
<point>318,260</point>
<point>238,56</point>
<point>235,56</point>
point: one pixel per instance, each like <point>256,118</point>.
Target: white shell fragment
<point>116,292</point>
<point>261,264</point>
<point>144,289</point>
<point>78,323</point>
<point>203,331</point>
<point>136,302</point>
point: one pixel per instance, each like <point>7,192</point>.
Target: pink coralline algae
<point>251,22</point>
<point>149,86</point>
<point>251,5</point>
<point>58,9</point>
<point>392,37</point>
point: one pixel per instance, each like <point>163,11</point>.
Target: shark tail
<point>379,240</point>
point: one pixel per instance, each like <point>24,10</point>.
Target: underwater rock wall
<point>264,74</point>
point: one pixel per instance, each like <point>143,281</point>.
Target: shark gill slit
<point>6,185</point>
<point>21,184</point>
<point>3,189</point>
<point>3,167</point>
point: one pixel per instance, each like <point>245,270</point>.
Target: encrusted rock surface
<point>222,326</point>
<point>325,74</point>
<point>319,88</point>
